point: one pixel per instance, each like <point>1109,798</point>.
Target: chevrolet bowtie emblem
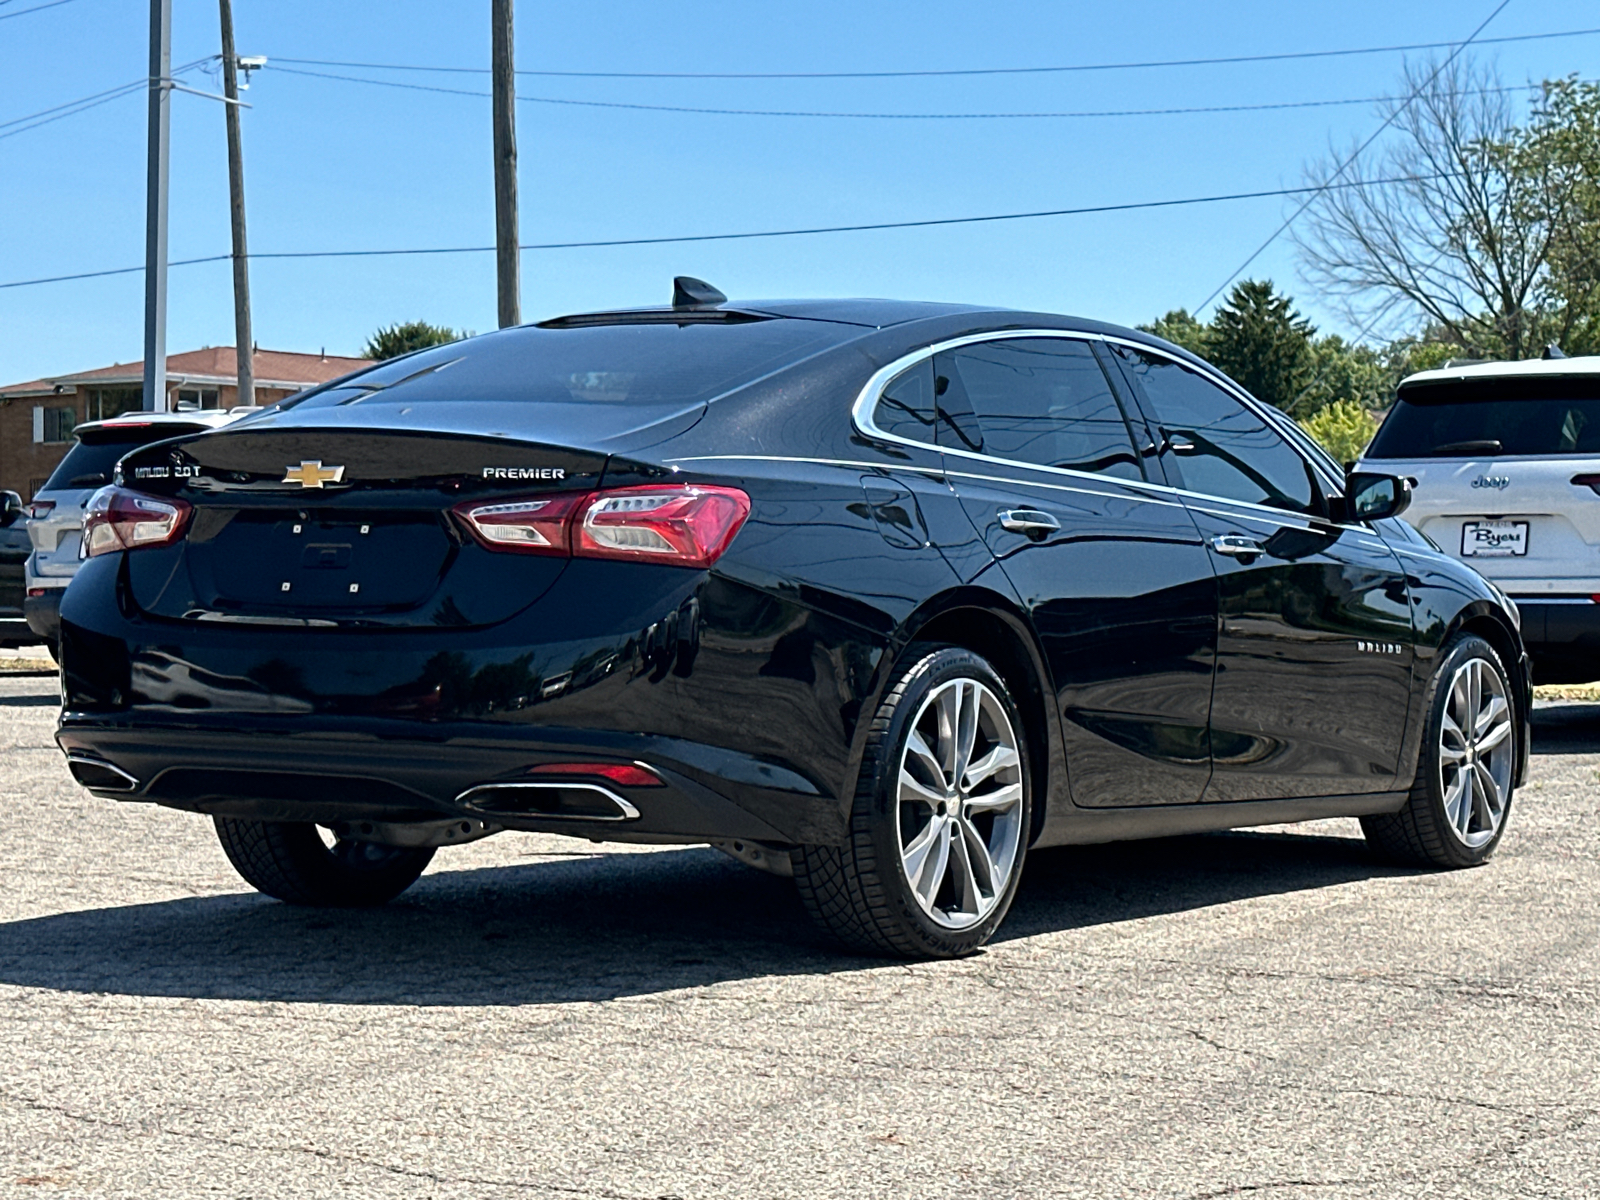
<point>313,474</point>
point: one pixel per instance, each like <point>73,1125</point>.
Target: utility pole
<point>243,342</point>
<point>507,258</point>
<point>155,208</point>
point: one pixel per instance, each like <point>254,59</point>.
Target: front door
<point>1114,576</point>
<point>1314,651</point>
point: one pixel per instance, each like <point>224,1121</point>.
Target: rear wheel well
<point>1002,644</point>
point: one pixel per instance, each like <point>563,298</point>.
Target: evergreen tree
<point>1265,345</point>
<point>395,340</point>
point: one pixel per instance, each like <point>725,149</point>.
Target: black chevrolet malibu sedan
<point>881,595</point>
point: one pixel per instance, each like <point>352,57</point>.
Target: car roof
<point>1528,368</point>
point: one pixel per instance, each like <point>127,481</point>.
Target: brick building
<point>37,417</point>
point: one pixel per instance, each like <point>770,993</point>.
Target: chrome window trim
<point>872,392</point>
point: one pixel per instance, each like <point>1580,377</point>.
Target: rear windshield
<point>624,364</point>
<point>88,464</point>
<point>1493,417</point>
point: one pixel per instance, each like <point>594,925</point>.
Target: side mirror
<point>11,510</point>
<point>1372,497</point>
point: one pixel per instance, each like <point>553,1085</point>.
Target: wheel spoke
<point>997,759</point>
<point>1494,737</point>
<point>1452,731</point>
<point>913,789</point>
<point>977,851</point>
<point>966,729</point>
<point>949,720</point>
<point>1488,797</point>
<point>1450,754</point>
<point>999,800</point>
<point>1495,710</point>
<point>917,749</point>
<point>916,853</point>
<point>971,898</point>
<point>934,865</point>
<point>1474,692</point>
<point>1458,801</point>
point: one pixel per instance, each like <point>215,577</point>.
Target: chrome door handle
<point>1027,520</point>
<point>1235,546</point>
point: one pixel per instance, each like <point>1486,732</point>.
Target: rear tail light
<point>40,508</point>
<point>117,519</point>
<point>690,525</point>
<point>686,525</point>
<point>536,525</point>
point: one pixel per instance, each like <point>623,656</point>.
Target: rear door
<point>1314,651</point>
<point>1049,468</point>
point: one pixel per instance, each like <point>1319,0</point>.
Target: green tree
<point>1561,149</point>
<point>394,340</point>
<point>1181,328</point>
<point>1264,344</point>
<point>1343,429</point>
<point>1479,224</point>
<point>1345,372</point>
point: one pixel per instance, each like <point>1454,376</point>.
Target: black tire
<point>1422,834</point>
<point>860,892</point>
<point>289,861</point>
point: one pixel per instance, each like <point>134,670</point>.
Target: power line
<point>84,103</point>
<point>726,237</point>
<point>1118,66</point>
<point>36,8</point>
<point>881,116</point>
<point>1359,150</point>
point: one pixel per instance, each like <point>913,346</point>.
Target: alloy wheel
<point>1477,748</point>
<point>959,803</point>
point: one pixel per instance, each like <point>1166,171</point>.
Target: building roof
<point>211,365</point>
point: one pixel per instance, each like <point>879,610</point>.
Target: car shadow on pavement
<point>31,700</point>
<point>598,926</point>
<point>1566,729</point>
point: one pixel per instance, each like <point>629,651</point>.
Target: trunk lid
<point>343,527</point>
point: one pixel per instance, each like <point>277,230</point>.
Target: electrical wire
<point>1345,165</point>
<point>881,116</point>
<point>726,237</point>
<point>83,104</point>
<point>36,8</point>
<point>1120,66</point>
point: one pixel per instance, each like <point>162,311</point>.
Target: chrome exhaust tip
<point>548,801</point>
<point>100,776</point>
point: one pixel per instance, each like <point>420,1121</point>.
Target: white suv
<point>56,512</point>
<point>1504,458</point>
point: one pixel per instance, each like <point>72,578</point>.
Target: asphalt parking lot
<point>1265,1014</point>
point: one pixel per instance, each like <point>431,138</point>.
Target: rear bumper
<point>332,773</point>
<point>731,695</point>
<point>42,614</point>
<point>1562,635</point>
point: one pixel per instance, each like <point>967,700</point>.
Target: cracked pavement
<point>1267,1014</point>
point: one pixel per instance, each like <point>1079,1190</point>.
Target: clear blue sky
<point>332,165</point>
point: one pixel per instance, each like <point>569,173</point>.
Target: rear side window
<point>1502,416</point>
<point>906,408</point>
<point>1221,448</point>
<point>1043,401</point>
